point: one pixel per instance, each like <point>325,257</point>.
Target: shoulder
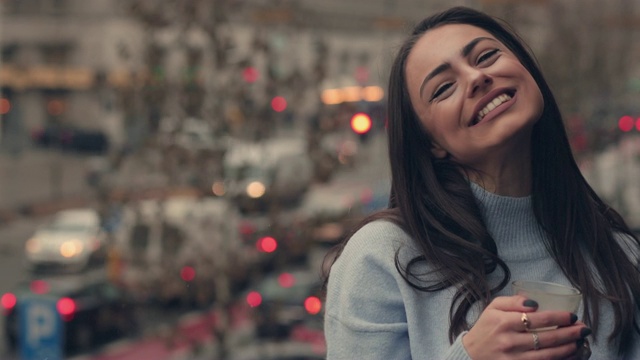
<point>371,252</point>
<point>366,273</point>
<point>378,242</point>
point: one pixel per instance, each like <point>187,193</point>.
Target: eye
<point>440,90</point>
<point>485,56</point>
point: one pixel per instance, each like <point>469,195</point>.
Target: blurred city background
<point>173,172</point>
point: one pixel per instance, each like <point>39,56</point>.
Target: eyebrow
<point>466,50</point>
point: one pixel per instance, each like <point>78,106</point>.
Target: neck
<point>508,175</point>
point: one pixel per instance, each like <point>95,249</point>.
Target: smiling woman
<point>485,190</point>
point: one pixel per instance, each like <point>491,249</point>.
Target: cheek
<point>539,101</point>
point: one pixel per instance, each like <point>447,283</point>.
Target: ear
<point>438,151</point>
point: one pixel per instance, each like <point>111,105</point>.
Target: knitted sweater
<point>372,313</point>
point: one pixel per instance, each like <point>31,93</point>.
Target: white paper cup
<point>549,296</point>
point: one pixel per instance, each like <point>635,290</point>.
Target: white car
<point>272,170</point>
<point>70,241</point>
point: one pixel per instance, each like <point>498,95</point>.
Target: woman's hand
<point>501,332</point>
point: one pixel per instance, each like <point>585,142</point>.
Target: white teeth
<point>492,105</point>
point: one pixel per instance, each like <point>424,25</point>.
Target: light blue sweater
<point>372,313</point>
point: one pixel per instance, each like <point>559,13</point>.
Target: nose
<point>478,82</point>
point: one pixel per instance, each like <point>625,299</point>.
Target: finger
<point>555,344</point>
<point>563,336</point>
<point>517,303</point>
<point>546,319</point>
<point>565,351</point>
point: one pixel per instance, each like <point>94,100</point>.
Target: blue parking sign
<point>40,336</point>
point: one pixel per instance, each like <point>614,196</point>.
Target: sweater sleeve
<point>365,315</point>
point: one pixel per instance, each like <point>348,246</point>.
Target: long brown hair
<point>432,201</point>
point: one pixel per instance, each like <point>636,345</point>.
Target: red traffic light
<point>361,123</point>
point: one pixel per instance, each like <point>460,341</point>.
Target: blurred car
<point>283,301</point>
<point>72,240</point>
<point>71,138</point>
<point>93,310</point>
<point>273,171</point>
<point>173,249</point>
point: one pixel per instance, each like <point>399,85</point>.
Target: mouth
<point>492,103</point>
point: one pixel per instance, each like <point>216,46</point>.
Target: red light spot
<point>55,107</point>
<point>638,124</point>
<point>254,299</point>
<point>188,273</point>
<point>8,301</point>
<point>250,74</point>
<point>267,244</point>
<point>366,196</point>
<point>625,123</point>
<point>360,123</point>
<point>66,308</point>
<point>286,280</point>
<point>246,228</point>
<point>362,74</point>
<point>313,305</point>
<point>279,104</point>
<point>39,287</point>
<point>5,106</point>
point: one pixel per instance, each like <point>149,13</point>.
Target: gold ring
<point>536,341</point>
<point>525,321</point>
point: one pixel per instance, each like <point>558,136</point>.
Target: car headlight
<point>71,248</point>
<point>33,246</point>
<point>255,189</point>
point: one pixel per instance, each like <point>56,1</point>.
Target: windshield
<point>68,227</point>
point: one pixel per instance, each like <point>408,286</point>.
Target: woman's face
<point>472,94</point>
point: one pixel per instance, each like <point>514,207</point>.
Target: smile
<point>491,106</point>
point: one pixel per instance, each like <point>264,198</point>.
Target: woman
<point>484,191</point>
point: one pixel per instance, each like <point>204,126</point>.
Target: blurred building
<point>56,57</point>
<point>125,66</point>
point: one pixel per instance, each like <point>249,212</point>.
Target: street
<point>172,333</point>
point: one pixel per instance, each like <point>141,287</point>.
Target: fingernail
<point>584,332</point>
<point>530,303</point>
<point>580,343</point>
<point>573,318</point>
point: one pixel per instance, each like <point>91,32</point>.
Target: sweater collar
<point>512,223</point>
<point>495,202</point>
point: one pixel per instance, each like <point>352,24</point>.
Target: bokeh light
<point>361,123</point>
<point>313,305</point>
<point>625,123</point>
<point>286,280</point>
<point>188,273</point>
<point>279,104</point>
<point>254,299</point>
<point>267,244</point>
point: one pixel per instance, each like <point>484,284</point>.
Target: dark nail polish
<point>585,332</point>
<point>573,318</point>
<point>530,303</point>
<point>579,343</point>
